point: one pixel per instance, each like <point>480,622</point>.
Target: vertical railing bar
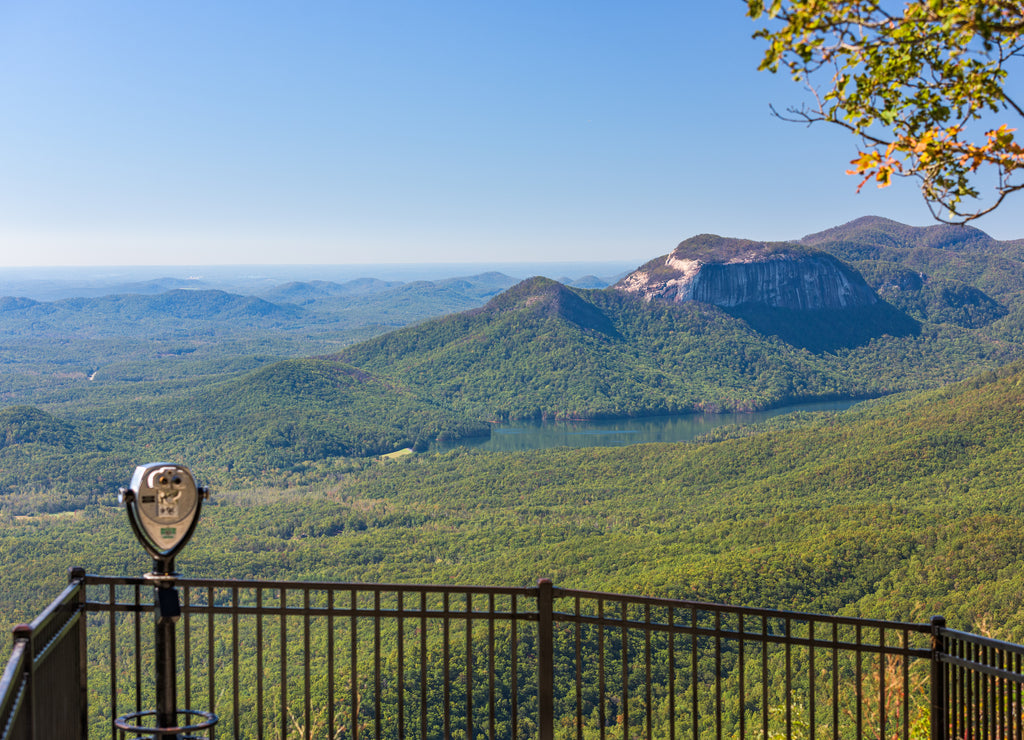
<point>963,690</point>
<point>234,659</point>
<point>112,600</point>
<point>718,674</point>
<point>423,664</point>
<point>943,687</point>
<point>211,671</point>
<point>944,677</point>
<point>137,621</point>
<point>764,677</point>
<point>469,664</point>
<point>307,709</point>
<point>624,654</point>
<point>1019,700</point>
<point>600,665</point>
<point>78,574</point>
<point>973,693</point>
<point>1002,695</point>
<point>671,673</point>
<point>353,666</point>
<point>78,637</point>
<point>259,662</point>
<point>981,693</point>
<point>990,694</point>
<point>577,630</point>
<point>515,666</point>
<point>789,677</point>
<point>694,709</point>
<point>648,699</point>
<point>446,665</point>
<point>882,708</point>
<point>490,665</point>
<point>858,680</point>
<point>742,658</point>
<point>996,655</point>
<point>186,624</point>
<point>331,651</point>
<point>283,631</point>
<point>906,684</point>
<point>990,659</point>
<point>835,680</point>
<point>982,656</point>
<point>1000,687</point>
<point>1006,706</point>
<point>811,681</point>
<point>400,626</point>
<point>545,660</point>
<point>1013,718</point>
<point>377,683</point>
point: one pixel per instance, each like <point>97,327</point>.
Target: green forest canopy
<point>898,508</point>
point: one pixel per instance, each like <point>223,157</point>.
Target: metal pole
<point>545,659</point>
<point>77,575</point>
<point>168,609</point>
<point>940,703</point>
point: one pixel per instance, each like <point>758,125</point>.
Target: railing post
<point>77,575</point>
<point>545,659</point>
<point>940,703</point>
<point>23,633</point>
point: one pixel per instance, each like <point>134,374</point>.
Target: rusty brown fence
<point>343,660</point>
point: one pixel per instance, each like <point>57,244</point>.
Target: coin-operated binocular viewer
<point>163,504</point>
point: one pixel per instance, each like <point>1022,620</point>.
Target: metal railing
<point>980,685</point>
<point>43,687</point>
<point>342,660</point>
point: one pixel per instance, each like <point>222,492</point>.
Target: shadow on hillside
<point>826,330</point>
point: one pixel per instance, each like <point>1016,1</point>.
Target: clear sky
<point>369,131</point>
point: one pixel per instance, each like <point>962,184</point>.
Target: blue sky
<point>191,132</point>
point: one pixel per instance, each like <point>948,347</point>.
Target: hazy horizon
<point>53,283</point>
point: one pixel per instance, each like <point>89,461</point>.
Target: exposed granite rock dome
<point>736,272</point>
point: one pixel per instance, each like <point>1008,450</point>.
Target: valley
<point>904,505</point>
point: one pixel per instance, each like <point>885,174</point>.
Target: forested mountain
<point>544,350</point>
<point>804,296</point>
<point>941,273</point>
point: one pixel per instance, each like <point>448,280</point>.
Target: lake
<point>526,435</point>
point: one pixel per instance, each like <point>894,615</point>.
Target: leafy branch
<point>918,88</point>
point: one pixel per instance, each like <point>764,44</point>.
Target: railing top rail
<point>561,593</point>
<point>981,640</point>
<point>529,591</point>
<point>525,591</point>
<point>69,594</point>
<point>12,675</point>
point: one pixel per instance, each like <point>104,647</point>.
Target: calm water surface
<point>524,435</point>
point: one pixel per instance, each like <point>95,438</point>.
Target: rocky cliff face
<point>733,272</point>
